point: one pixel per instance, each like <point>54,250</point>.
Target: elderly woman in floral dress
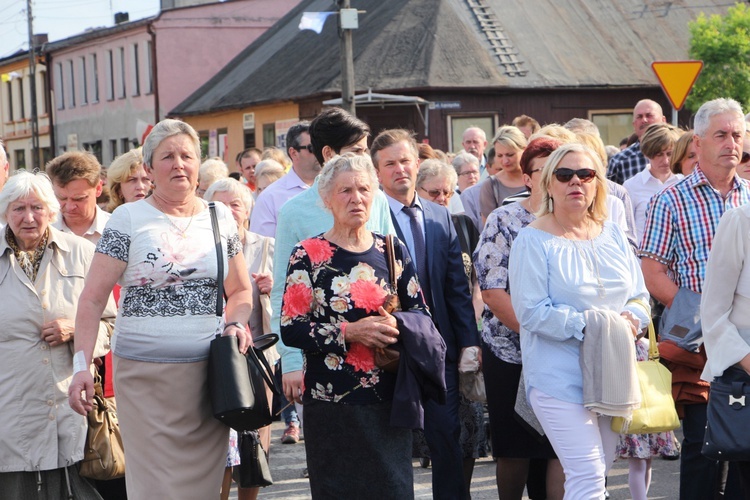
<point>336,285</point>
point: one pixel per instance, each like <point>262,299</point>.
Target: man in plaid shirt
<point>630,160</point>
<point>680,225</point>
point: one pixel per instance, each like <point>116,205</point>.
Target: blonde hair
<point>118,172</point>
<point>511,137</point>
<point>680,151</point>
<point>598,209</point>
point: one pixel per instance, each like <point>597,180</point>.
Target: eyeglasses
<point>566,174</point>
<point>532,171</point>
<point>469,172</point>
<point>308,147</point>
<point>434,193</point>
<point>745,158</point>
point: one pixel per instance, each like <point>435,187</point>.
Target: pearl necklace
<point>591,262</point>
<point>181,232</point>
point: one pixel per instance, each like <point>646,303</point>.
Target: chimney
<point>39,39</point>
<point>121,17</point>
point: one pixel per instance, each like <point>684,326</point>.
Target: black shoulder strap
<point>219,261</point>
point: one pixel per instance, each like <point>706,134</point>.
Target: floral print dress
<point>327,285</point>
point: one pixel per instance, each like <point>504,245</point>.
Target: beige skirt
<point>174,447</point>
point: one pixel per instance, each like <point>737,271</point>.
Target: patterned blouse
<point>327,285</point>
<point>491,264</point>
<point>167,310</point>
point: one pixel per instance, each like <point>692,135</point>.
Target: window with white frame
<point>9,91</point>
<point>21,104</point>
<point>59,87</point>
<point>121,79</point>
<point>71,85</point>
<point>42,100</point>
<point>94,78</point>
<point>149,69</point>
<point>110,75</point>
<point>84,81</point>
<point>135,71</point>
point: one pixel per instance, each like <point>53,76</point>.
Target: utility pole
<point>347,63</point>
<point>32,90</point>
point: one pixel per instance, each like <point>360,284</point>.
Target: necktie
<point>420,254</point>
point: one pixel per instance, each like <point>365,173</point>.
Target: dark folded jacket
<point>421,371</point>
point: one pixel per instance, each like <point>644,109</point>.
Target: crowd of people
<point>352,248</point>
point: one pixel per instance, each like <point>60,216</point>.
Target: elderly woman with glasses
<point>572,273</point>
<point>42,273</point>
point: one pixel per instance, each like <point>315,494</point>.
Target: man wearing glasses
<point>305,168</point>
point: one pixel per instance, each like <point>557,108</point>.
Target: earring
<point>550,205</point>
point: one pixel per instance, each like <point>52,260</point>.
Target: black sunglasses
<point>308,148</point>
<point>745,158</point>
<point>566,174</point>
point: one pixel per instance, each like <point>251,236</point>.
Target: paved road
<point>288,462</point>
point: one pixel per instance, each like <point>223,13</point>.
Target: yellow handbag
<point>657,412</point>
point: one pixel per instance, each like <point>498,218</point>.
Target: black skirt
<point>352,452</point>
<point>52,484</point>
<point>510,439</point>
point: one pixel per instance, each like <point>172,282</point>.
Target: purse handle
<point>391,260</point>
<point>653,344</point>
<point>219,264</point>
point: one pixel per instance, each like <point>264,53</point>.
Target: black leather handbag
<point>237,381</point>
<point>727,416</point>
<point>253,471</point>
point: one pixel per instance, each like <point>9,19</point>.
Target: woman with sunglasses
<point>657,144</point>
<point>569,265</point>
<point>522,458</point>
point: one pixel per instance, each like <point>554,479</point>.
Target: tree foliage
<point>723,44</point>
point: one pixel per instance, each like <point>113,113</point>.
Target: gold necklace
<point>591,262</point>
<point>180,231</point>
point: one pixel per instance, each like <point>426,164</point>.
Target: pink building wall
<point>189,50</point>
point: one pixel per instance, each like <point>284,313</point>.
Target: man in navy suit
<point>427,230</point>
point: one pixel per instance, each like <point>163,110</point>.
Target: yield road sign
<point>677,79</point>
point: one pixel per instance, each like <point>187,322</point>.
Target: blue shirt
<point>553,280</point>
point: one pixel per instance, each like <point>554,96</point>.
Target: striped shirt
<point>681,222</point>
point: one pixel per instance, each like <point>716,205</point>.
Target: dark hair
<point>235,175</point>
<point>388,138</point>
<point>296,130</point>
<point>246,152</point>
<point>541,147</point>
<point>336,129</point>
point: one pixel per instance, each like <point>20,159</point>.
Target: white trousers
<point>583,441</point>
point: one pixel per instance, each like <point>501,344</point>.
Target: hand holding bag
<point>727,416</point>
<point>104,457</point>
<point>387,358</point>
<point>236,381</point>
<point>657,412</point>
<point>470,376</point>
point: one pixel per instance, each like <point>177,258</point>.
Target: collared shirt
<point>404,221</point>
<point>641,188</point>
<point>269,202</point>
<point>94,232</point>
<point>626,163</point>
<point>681,222</point>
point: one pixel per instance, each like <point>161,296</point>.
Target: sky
<point>63,18</point>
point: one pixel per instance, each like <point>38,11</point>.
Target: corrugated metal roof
<point>417,44</point>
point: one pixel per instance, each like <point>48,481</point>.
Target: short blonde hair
<point>233,186</point>
<point>598,209</point>
<point>24,183</point>
<point>212,170</point>
<point>511,137</point>
<point>118,172</point>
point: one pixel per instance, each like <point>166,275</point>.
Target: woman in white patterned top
<point>161,251</point>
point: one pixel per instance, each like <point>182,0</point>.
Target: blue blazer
<point>449,296</point>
